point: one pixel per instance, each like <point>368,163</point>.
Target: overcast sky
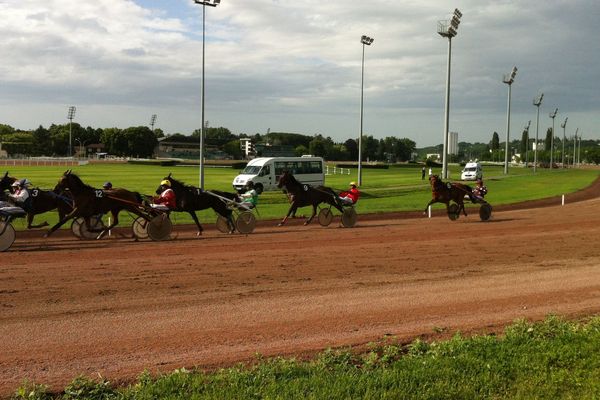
<point>295,65</point>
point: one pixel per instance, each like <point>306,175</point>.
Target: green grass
<point>552,359</point>
<point>394,189</point>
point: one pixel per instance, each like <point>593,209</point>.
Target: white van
<point>265,172</point>
<point>471,172</point>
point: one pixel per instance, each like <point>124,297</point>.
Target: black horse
<point>305,195</point>
<point>191,199</point>
<point>89,202</point>
<point>39,201</point>
<point>444,192</point>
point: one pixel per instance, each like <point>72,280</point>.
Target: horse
<point>444,192</point>
<point>305,195</point>
<point>40,201</point>
<point>191,199</point>
<point>89,202</point>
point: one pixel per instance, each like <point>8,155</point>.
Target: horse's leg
<point>195,218</point>
<point>430,203</point>
<point>114,222</point>
<point>312,215</point>
<point>30,225</point>
<point>72,214</point>
<point>230,222</point>
<point>292,209</point>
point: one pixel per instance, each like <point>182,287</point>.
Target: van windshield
<point>251,170</point>
<point>470,169</point>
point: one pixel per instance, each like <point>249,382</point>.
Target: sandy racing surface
<point>116,307</point>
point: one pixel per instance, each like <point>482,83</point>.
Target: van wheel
<point>258,188</point>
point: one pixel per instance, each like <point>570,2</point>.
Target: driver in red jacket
<point>350,196</point>
<point>166,200</point>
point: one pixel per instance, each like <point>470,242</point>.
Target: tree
<point>495,145</point>
<point>352,149</point>
<point>300,150</point>
<point>140,140</point>
<point>524,145</point>
<point>41,141</point>
<point>548,143</point>
<point>233,149</point>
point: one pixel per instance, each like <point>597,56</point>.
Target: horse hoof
<point>199,233</point>
<point>280,224</point>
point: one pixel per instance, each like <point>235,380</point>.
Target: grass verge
<point>552,359</point>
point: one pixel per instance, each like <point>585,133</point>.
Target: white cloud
<point>294,65</point>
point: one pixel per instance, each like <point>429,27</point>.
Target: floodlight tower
<point>152,122</point>
<point>552,115</point>
<point>70,117</point>
<point>564,126</point>
<point>508,79</point>
<point>366,41</point>
<point>203,3</point>
<point>448,29</point>
<point>579,150</point>
<point>527,144</point>
<point>575,146</point>
<point>537,102</point>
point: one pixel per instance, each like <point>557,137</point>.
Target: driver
<point>21,195</point>
<point>250,197</point>
<point>166,199</point>
<point>350,196</point>
<point>480,190</point>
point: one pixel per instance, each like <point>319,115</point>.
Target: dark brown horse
<point>191,199</point>
<point>89,202</point>
<point>303,195</point>
<point>445,192</point>
<point>39,201</point>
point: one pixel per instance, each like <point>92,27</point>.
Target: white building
<point>453,143</point>
<point>247,147</point>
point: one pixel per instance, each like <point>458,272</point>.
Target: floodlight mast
<point>552,115</point>
<point>508,79</point>
<point>203,3</point>
<point>527,144</point>
<point>564,126</point>
<point>152,122</point>
<point>70,117</point>
<point>537,102</point>
<point>366,41</point>
<point>448,29</point>
<point>575,146</point>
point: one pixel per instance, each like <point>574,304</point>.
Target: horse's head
<point>6,182</point>
<point>284,179</point>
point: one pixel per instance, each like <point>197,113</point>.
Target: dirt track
<point>117,307</point>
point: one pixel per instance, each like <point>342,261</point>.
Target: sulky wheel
<point>7,236</point>
<point>222,224</point>
<point>76,227</point>
<point>96,224</point>
<point>349,217</point>
<point>246,222</point>
<point>325,217</point>
<point>140,228</point>
<point>453,212</point>
<point>160,227</point>
<point>485,211</point>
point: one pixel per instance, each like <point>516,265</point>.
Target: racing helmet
<point>353,183</point>
<point>16,183</point>
<point>165,182</point>
<point>107,185</point>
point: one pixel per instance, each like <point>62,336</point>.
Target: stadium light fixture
<point>448,29</point>
<point>152,122</point>
<point>527,144</point>
<point>508,79</point>
<point>537,102</point>
<point>366,41</point>
<point>70,117</point>
<point>203,3</point>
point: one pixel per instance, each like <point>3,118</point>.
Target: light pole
<point>152,122</point>
<point>537,102</point>
<point>70,117</point>
<point>508,79</point>
<point>81,144</point>
<point>204,3</point>
<point>552,115</point>
<point>564,126</point>
<point>527,144</point>
<point>575,146</point>
<point>366,41</point>
<point>448,28</point>
<point>579,151</point>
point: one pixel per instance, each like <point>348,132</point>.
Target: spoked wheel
<point>349,217</point>
<point>485,211</point>
<point>325,216</point>
<point>246,222</point>
<point>222,224</point>
<point>96,225</point>
<point>453,212</point>
<point>7,236</point>
<point>160,227</point>
<point>76,227</point>
<point>140,228</point>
